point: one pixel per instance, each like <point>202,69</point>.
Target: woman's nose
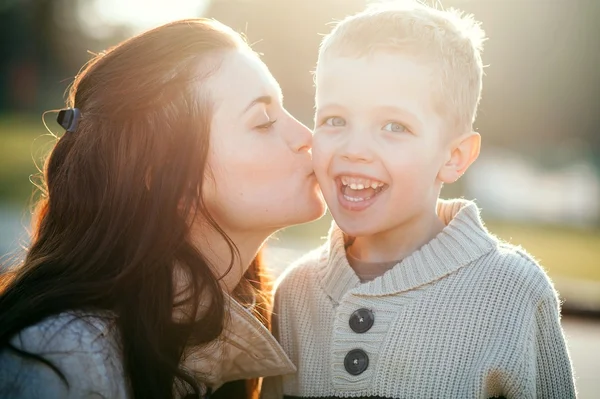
<point>300,137</point>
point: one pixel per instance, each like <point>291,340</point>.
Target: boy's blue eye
<point>335,121</point>
<point>395,127</point>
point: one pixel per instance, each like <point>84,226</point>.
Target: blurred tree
<point>43,46</point>
<point>19,57</point>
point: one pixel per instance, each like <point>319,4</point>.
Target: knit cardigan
<point>465,316</point>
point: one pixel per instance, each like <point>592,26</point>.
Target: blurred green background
<point>538,177</point>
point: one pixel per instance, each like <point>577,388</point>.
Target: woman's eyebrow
<point>259,100</point>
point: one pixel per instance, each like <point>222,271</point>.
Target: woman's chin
<point>321,207</point>
<point>314,208</point>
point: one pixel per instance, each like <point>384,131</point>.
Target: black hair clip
<point>68,118</point>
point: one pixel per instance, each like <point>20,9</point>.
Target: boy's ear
<point>464,150</point>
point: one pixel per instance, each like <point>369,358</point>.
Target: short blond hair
<point>451,40</point>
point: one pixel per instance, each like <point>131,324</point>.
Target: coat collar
<point>245,350</point>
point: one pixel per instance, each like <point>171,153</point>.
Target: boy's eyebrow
<point>328,106</point>
<point>398,110</point>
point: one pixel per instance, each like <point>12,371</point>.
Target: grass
<point>23,139</point>
<point>563,252</point>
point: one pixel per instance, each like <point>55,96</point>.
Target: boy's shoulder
<point>304,269</point>
<point>517,268</point>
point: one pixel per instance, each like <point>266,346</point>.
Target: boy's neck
<point>398,243</point>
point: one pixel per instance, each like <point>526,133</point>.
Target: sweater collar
<point>462,241</point>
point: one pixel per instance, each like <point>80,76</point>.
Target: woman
<point>178,162</point>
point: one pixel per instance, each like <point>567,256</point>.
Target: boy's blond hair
<point>452,41</point>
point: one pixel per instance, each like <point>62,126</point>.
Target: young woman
<point>177,163</point>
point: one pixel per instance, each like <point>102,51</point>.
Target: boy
<point>411,297</point>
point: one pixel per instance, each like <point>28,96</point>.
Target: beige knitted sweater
<point>465,316</point>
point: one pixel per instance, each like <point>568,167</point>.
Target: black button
<point>356,362</point>
<point>362,320</point>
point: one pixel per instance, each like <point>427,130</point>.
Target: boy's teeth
<point>356,183</point>
<point>354,199</point>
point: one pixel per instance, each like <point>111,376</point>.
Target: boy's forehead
<point>382,77</point>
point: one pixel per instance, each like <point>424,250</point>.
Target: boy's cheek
<point>320,152</point>
<point>319,166</point>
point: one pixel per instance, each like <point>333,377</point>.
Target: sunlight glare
<point>136,15</point>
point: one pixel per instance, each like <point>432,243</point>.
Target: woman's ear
<point>464,150</point>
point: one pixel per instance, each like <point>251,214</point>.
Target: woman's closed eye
<point>395,127</point>
<point>266,126</point>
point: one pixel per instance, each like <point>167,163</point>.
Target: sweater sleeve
<point>553,370</point>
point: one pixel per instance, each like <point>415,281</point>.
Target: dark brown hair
<point>114,218</point>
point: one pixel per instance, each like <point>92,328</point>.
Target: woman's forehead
<point>240,79</point>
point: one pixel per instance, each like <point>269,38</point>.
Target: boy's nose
<point>356,149</point>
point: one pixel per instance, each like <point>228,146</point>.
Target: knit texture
<point>465,316</point>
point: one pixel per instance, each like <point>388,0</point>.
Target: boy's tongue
<point>364,193</point>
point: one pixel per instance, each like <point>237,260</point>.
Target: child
<point>411,296</point>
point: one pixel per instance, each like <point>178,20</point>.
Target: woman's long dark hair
<point>113,221</point>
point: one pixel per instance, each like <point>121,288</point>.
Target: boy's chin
<point>355,227</point>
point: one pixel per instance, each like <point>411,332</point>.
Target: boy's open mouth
<point>359,189</point>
